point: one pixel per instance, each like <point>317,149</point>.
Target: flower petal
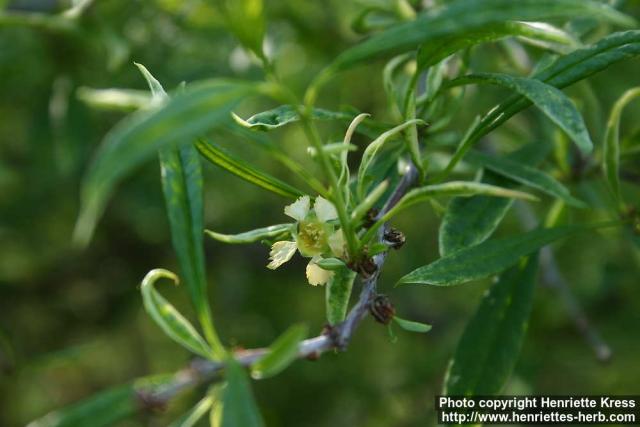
<point>337,243</point>
<point>281,252</point>
<point>299,209</point>
<point>325,211</point>
<point>317,275</point>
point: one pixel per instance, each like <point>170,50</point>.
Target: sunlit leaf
<point>238,405</point>
<point>253,235</point>
<point>240,168</point>
<point>114,99</point>
<point>195,414</point>
<point>611,157</point>
<point>490,344</point>
<point>337,294</point>
<point>281,353</point>
<point>168,318</point>
<point>485,259</point>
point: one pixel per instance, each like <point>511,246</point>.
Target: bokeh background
<point>72,322</point>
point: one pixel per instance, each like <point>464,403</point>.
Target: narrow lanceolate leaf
<point>238,405</point>
<point>338,293</point>
<point>525,175</point>
<point>551,101</point>
<point>281,353</point>
<point>200,107</point>
<point>411,326</point>
<point>485,259</point>
<point>105,408</point>
<point>168,318</point>
<point>491,342</point>
<point>455,188</point>
<point>612,141</point>
<point>461,16</point>
<point>251,236</point>
<point>191,418</point>
<point>471,220</point>
<point>431,53</point>
<point>181,177</point>
<point>372,149</point>
<point>285,114</point>
<point>563,72</point>
<point>240,168</point>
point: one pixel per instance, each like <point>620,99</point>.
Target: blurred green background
<point>72,322</point>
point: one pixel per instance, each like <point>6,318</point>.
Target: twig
<point>553,278</point>
<point>336,338</point>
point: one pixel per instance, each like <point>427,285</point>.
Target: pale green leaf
<point>485,259</point>
<point>256,235</point>
<point>114,99</point>
<point>168,318</point>
<point>411,326</point>
<point>246,20</point>
<point>611,155</point>
<point>195,414</point>
<point>490,344</point>
<point>281,353</point>
<point>285,114</point>
<point>240,168</point>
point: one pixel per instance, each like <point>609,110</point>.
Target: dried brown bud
<point>382,309</point>
<point>370,217</point>
<point>394,237</point>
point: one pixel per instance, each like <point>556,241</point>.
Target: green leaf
<point>471,220</point>
<point>330,264</point>
<point>455,188</point>
<point>101,410</point>
<point>181,177</point>
<point>485,259</point>
<point>611,158</point>
<point>251,236</point>
<point>461,16</point>
<point>238,406</point>
<point>525,175</point>
<point>491,342</point>
<point>372,149</point>
<point>281,353</point>
<point>105,408</point>
<point>134,140</point>
<point>246,20</point>
<point>191,418</point>
<point>338,293</point>
<point>240,168</point>
<point>285,114</point>
<point>168,318</point>
<point>411,326</point>
<point>114,99</point>
<point>563,72</point>
<point>431,53</point>
<point>551,101</point>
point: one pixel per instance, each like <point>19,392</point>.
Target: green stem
<point>312,133</point>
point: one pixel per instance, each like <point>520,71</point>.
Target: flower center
<point>312,238</point>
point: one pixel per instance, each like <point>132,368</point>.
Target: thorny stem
<point>337,338</point>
